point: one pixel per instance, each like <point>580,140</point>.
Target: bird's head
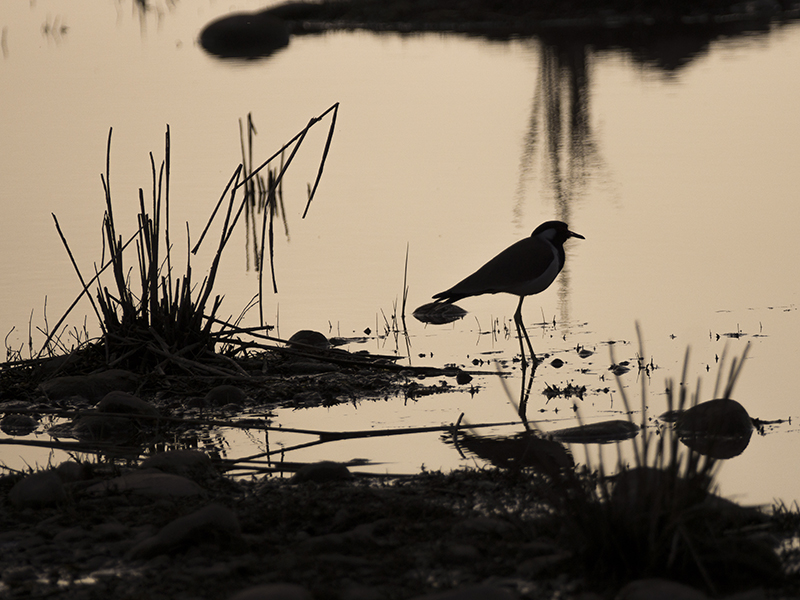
<point>556,232</point>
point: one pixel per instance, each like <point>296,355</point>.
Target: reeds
<point>166,311</point>
<point>150,312</point>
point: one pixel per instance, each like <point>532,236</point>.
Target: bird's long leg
<point>522,331</point>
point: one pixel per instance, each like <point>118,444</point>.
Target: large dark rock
<point>322,472</point>
<point>718,428</point>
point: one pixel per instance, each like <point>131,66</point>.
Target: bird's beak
<point>577,235</point>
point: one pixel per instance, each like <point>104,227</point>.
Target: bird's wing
<point>509,271</point>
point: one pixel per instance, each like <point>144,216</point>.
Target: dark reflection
<point>559,125</point>
<point>528,449</point>
<point>559,129</point>
<point>560,148</point>
<point>245,35</point>
<point>523,450</point>
<point>718,428</point>
<point>665,47</point>
<point>263,202</point>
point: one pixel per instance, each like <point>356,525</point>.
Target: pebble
<point>274,591</point>
<point>100,428</point>
<point>213,523</point>
<point>16,424</point>
<point>322,472</point>
<point>225,394</point>
<point>476,592</point>
<point>71,471</point>
<point>149,484</point>
<point>310,367</point>
<point>192,464</point>
<point>92,387</point>
<point>122,402</point>
<point>71,534</point>
<point>659,589</point>
<point>37,490</point>
<point>309,398</point>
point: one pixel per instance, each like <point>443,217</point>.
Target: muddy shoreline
<point>179,525</point>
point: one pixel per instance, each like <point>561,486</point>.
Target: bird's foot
<point>531,361</point>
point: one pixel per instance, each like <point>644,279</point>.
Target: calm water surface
<point>682,174</point>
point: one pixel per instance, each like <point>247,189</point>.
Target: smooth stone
<point>482,526</point>
<point>12,405</point>
<point>123,402</point>
<point>18,576</point>
<point>92,387</point>
<point>322,472</point>
<point>225,394</point>
<point>212,523</point>
<point>150,484</point>
<point>273,591</point>
<point>19,425</point>
<point>100,428</point>
<point>71,471</point>
<point>193,464</point>
<point>463,553</point>
<point>719,428</point>
<point>118,380</point>
<point>310,367</point>
<point>53,365</point>
<point>721,417</point>
<point>111,530</point>
<point>438,313</point>
<point>309,398</point>
<point>70,535</point>
<point>37,490</point>
<point>475,592</point>
<point>659,589</point>
<point>59,388</point>
<point>307,337</point>
<point>636,489</point>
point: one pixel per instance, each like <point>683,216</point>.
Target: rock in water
<point>439,313</point>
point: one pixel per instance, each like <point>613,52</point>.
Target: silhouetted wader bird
<point>523,269</point>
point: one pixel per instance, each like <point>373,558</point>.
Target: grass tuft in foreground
<point>660,517</point>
